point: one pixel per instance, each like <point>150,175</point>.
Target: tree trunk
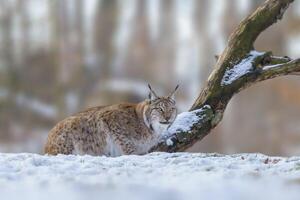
<point>238,67</point>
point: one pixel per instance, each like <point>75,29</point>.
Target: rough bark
<point>238,67</point>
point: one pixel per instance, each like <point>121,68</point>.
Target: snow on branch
<point>184,123</point>
<point>241,69</point>
<point>289,68</point>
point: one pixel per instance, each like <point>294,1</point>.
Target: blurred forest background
<point>59,57</point>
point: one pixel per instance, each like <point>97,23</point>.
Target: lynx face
<point>162,111</point>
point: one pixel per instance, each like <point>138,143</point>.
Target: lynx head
<point>161,111</point>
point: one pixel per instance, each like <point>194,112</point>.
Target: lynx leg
<point>127,147</point>
<point>58,144</point>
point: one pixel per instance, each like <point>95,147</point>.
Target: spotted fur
<point>114,130</point>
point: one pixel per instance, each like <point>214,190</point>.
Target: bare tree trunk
<point>105,23</point>
<point>238,67</point>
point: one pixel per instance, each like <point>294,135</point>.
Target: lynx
<point>114,130</point>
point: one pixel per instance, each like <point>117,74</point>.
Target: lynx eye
<point>159,109</point>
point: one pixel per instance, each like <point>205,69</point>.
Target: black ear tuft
<point>152,95</point>
<point>172,94</point>
<point>149,96</point>
<point>149,86</point>
<point>177,86</point>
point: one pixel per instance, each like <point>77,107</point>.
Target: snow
<point>169,142</point>
<point>154,176</point>
<point>270,67</point>
<point>185,121</point>
<point>240,69</point>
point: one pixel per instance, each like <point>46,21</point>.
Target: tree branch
<point>289,68</point>
<point>238,67</point>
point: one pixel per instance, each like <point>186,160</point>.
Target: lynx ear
<point>152,95</point>
<point>172,94</point>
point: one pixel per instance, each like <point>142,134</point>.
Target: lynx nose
<point>167,118</point>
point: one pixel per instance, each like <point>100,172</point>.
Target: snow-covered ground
<point>154,176</point>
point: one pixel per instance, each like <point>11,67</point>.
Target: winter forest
<point>60,57</point>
